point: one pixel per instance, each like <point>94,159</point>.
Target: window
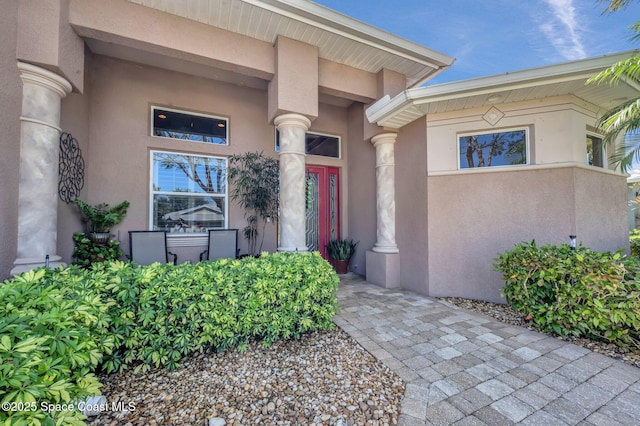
<point>188,193</point>
<point>504,148</point>
<point>193,127</point>
<point>317,144</point>
<point>595,151</point>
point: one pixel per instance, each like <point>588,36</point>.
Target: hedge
<point>583,293</point>
<point>59,327</point>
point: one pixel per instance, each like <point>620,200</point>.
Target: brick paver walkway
<point>465,368</point>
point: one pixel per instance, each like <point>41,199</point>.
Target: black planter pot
<point>101,238</point>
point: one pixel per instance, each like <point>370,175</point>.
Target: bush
<point>634,243</point>
<point>58,327</point>
<point>581,293</point>
<point>164,312</point>
<point>87,252</point>
<point>54,333</point>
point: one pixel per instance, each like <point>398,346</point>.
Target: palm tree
<point>624,118</point>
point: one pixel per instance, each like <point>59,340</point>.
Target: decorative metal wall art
<point>70,169</point>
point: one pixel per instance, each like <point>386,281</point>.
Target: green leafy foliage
<point>634,243</point>
<point>54,329</point>
<point>101,217</point>
<point>582,293</point>
<point>58,327</point>
<point>86,252</point>
<point>342,249</point>
<point>255,185</point>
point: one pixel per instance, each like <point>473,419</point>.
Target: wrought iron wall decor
<point>70,168</point>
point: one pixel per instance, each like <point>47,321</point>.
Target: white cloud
<point>563,30</point>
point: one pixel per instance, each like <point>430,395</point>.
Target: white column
<point>292,128</point>
<point>385,193</point>
<point>42,92</point>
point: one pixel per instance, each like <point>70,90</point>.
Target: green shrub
<point>60,326</point>
<point>634,243</point>
<point>86,252</point>
<point>582,293</point>
<point>163,313</point>
<point>54,332</point>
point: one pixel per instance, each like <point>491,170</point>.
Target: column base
<point>29,263</point>
<point>383,269</point>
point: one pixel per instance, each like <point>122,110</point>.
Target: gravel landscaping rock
<point>325,378</point>
<point>505,314</point>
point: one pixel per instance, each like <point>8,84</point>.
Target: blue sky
<point>497,36</point>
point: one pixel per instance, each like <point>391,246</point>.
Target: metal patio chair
<point>222,243</point>
<point>147,247</point>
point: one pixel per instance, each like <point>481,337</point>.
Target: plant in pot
<point>86,252</point>
<point>340,252</point>
<point>100,218</point>
<point>255,180</point>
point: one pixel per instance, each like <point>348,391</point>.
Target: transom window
<point>317,144</point>
<point>188,192</point>
<point>168,123</point>
<point>595,151</point>
<point>492,149</point>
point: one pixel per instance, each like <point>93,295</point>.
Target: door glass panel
<point>333,206</point>
<point>312,212</point>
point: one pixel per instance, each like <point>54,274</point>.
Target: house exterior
<point>157,94</point>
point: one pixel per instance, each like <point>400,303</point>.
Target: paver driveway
<point>465,368</point>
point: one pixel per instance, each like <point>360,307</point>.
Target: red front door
<point>322,207</point>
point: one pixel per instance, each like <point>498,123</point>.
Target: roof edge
<point>566,71</point>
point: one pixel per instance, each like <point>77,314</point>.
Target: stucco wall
<point>601,210</point>
<point>118,155</point>
<point>557,129</point>
<point>412,217</point>
<point>361,189</point>
<point>475,216</point>
<point>10,107</point>
<point>74,119</point>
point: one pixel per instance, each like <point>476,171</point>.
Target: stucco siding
<point>411,206</point>
<point>10,107</point>
<point>475,216</point>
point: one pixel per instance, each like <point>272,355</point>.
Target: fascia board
<point>321,17</point>
<point>553,74</point>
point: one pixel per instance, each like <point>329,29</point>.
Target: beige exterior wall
<point>473,215</point>
<point>10,107</point>
<point>557,130</point>
<point>480,215</point>
<point>117,109</point>
<point>361,189</point>
<point>412,206</point>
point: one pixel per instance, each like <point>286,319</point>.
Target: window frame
<point>152,192</point>
<point>153,109</point>
<point>526,130</point>
<point>605,158</point>
<point>276,146</point>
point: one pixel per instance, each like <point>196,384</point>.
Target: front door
<point>323,207</point>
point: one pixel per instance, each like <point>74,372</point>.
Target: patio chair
<point>223,243</point>
<point>147,247</point>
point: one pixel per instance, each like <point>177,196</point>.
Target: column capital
<point>384,138</point>
<point>40,76</point>
<point>292,120</point>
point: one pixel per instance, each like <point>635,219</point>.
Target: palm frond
<point>627,69</point>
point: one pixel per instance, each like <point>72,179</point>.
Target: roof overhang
<point>339,38</point>
<point>536,83</point>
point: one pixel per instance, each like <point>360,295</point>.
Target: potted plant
<point>100,218</point>
<point>340,252</point>
<point>86,252</point>
<point>255,180</point>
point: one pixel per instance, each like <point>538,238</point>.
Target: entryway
<point>323,207</point>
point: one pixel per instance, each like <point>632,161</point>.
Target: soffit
<point>338,37</point>
<point>527,85</point>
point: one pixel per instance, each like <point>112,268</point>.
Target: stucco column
<point>40,130</point>
<point>385,193</point>
<point>292,128</point>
